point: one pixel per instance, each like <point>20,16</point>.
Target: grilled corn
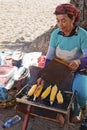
<point>59,97</point>
<point>53,94</point>
<point>46,92</point>
<point>32,90</point>
<point>38,91</point>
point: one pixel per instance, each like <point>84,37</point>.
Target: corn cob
<point>32,90</point>
<point>38,91</point>
<point>46,92</point>
<point>59,97</point>
<point>53,94</point>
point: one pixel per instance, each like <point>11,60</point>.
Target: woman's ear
<point>73,20</point>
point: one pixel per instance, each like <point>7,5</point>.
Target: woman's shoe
<point>77,119</point>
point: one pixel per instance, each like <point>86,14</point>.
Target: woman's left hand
<point>74,64</point>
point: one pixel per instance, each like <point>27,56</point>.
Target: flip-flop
<point>76,119</point>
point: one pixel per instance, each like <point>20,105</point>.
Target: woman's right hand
<point>74,64</point>
<point>40,81</point>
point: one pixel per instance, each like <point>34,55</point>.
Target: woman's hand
<point>40,81</point>
<point>74,64</point>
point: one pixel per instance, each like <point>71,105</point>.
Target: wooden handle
<point>61,61</point>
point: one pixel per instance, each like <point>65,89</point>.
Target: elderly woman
<point>69,42</point>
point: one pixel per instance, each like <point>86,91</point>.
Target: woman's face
<point>65,23</point>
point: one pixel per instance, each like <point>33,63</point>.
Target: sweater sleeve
<point>50,53</point>
<point>47,61</point>
<point>83,63</point>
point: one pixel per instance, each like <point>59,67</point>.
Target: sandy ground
<point>26,19</point>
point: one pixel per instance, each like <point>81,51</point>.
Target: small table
<point>64,109</point>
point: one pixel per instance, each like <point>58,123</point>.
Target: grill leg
<point>26,118</point>
<point>67,120</point>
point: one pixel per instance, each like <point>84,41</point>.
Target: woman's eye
<point>63,21</point>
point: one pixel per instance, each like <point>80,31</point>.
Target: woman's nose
<point>60,24</point>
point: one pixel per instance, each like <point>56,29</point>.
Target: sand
<point>26,19</point>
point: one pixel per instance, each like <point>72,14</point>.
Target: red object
<point>8,58</point>
<point>41,61</point>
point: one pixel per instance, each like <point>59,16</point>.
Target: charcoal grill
<point>45,106</point>
<point>42,108</point>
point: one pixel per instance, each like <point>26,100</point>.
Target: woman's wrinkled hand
<point>74,64</point>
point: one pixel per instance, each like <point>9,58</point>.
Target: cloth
<point>80,85</point>
<point>67,9</point>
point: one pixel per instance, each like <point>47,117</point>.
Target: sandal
<point>77,119</point>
